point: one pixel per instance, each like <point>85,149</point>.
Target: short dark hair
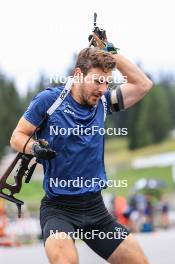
<point>89,58</point>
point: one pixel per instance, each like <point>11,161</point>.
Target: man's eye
<point>101,82</point>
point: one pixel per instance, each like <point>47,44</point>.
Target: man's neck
<point>76,95</point>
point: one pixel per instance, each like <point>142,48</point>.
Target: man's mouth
<point>96,97</point>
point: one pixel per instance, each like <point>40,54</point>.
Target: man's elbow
<point>144,87</point>
<point>13,141</point>
<point>147,85</point>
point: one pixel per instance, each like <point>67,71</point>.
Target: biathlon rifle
<point>26,166</point>
<point>25,169</point>
<point>98,38</point>
<point>100,35</point>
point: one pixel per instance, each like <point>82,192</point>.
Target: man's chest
<point>68,116</point>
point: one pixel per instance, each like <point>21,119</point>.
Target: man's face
<point>94,85</point>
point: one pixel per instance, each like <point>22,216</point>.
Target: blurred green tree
<point>150,120</point>
<point>10,110</point>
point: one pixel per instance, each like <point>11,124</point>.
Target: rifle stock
<point>23,170</point>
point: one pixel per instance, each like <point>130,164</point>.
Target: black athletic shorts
<point>85,217</point>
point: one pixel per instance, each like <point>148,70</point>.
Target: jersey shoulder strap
<point>104,102</point>
<point>61,97</point>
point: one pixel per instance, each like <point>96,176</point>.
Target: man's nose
<point>102,89</point>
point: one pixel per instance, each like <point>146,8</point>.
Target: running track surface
<point>158,246</point>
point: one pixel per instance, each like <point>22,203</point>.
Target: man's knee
<point>128,252</point>
<point>61,249</point>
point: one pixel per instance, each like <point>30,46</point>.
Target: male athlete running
<point>67,208</point>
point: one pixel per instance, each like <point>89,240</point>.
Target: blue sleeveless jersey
<point>79,165</point>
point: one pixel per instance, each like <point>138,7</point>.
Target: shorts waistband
<point>78,197</point>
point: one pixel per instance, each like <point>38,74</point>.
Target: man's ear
<point>77,71</point>
<point>78,75</point>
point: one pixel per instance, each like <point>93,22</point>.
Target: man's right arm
<point>21,134</point>
<point>28,123</point>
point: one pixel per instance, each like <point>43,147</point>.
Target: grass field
<point>134,175</point>
<point>116,151</point>
<point>117,154</point>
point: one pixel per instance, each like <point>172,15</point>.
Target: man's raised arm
<point>138,84</point>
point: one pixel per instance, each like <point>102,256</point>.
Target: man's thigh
<point>53,226</point>
<point>61,250</point>
<point>58,241</point>
<point>104,239</point>
<point>128,252</point>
